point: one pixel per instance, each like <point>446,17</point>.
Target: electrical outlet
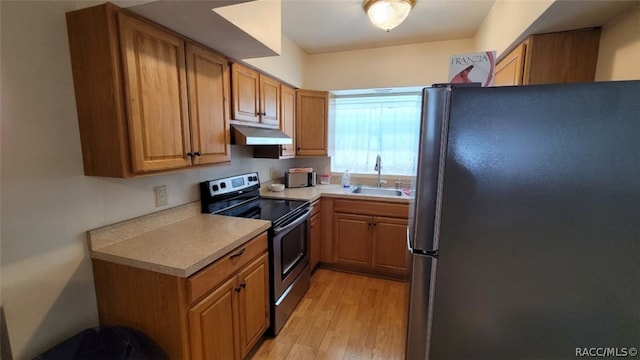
<point>161,195</point>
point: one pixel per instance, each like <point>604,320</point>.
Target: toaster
<point>299,179</point>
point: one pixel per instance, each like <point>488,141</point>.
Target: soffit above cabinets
<point>233,35</point>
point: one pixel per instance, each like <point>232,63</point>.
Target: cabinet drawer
<point>206,279</point>
<point>374,208</point>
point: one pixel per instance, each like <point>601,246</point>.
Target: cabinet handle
<point>190,154</point>
<point>239,288</point>
<point>238,254</point>
<point>197,153</point>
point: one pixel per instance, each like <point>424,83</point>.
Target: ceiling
<point>319,26</point>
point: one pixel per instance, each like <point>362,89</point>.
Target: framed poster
<point>473,67</point>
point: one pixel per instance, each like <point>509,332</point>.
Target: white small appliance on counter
<point>299,177</point>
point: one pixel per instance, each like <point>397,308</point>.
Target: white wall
<point>619,54</point>
<point>47,204</point>
<point>394,66</point>
<point>288,67</point>
<point>506,20</point>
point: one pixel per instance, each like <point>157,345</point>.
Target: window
<point>368,125</point>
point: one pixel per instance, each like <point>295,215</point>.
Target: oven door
<point>290,251</point>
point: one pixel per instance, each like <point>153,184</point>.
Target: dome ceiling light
<point>387,14</point>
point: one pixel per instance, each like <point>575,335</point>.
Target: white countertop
<point>181,241</point>
<point>178,241</point>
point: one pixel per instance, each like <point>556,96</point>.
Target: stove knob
<point>214,187</point>
<point>223,185</point>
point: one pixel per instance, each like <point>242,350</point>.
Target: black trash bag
<point>107,343</point>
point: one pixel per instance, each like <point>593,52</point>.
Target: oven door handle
<point>294,223</point>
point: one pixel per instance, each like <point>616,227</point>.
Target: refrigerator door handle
<point>427,253</point>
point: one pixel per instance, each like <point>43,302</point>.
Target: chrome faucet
<point>377,168</point>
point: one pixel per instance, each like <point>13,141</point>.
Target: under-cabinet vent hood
<point>247,135</point>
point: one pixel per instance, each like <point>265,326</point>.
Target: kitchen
<point>48,204</point>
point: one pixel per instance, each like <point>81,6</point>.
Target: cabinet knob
<point>197,153</point>
<point>190,154</point>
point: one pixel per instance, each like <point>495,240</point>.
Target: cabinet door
<point>213,324</point>
<point>208,75</point>
<point>156,96</point>
<point>269,101</point>
<point>390,253</point>
<point>315,241</point>
<point>288,118</point>
<point>509,71</point>
<point>352,236</point>
<point>253,302</point>
<point>311,122</point>
<point>245,87</point>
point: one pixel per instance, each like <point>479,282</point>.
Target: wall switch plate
<point>161,195</point>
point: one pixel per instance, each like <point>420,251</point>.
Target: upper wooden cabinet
<point>208,79</point>
<point>256,97</point>
<point>147,99</point>
<point>288,119</point>
<point>509,70</point>
<point>312,114</point>
<point>562,57</point>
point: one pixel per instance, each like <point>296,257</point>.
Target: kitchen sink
<point>376,191</point>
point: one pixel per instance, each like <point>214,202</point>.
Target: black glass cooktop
<point>273,210</point>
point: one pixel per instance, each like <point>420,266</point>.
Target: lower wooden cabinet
<point>316,235</point>
<point>216,314</point>
<point>221,312</point>
<point>370,237</point>
<point>253,303</point>
<point>231,319</point>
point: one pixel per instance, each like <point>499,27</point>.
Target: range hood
<point>248,135</point>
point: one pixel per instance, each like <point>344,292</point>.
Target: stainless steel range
<point>288,236</point>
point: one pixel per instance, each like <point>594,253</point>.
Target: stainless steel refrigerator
<point>525,229</point>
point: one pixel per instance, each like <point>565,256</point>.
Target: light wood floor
<point>344,316</point>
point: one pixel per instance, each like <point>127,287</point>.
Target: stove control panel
<point>232,184</point>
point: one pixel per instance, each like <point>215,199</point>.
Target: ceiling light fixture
<point>387,14</point>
